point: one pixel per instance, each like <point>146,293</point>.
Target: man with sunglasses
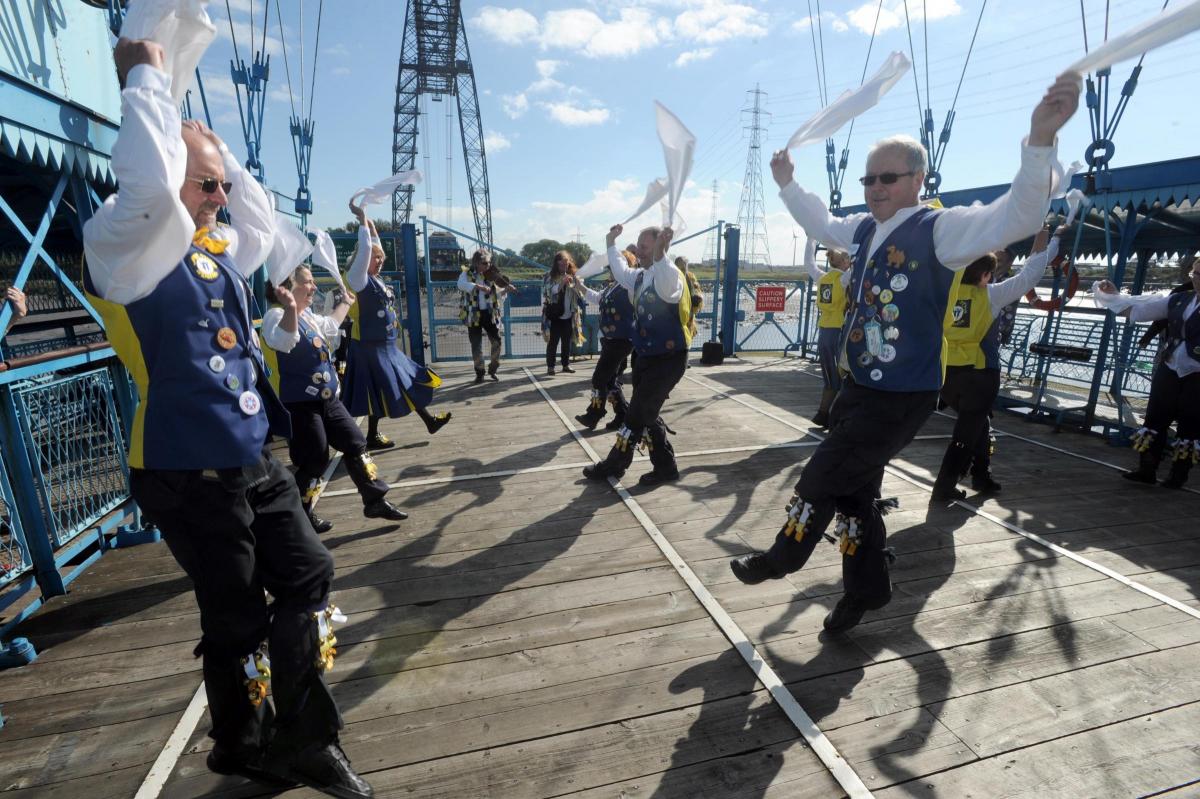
<point>171,285</point>
<point>906,258</point>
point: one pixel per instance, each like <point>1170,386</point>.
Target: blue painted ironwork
<point>729,286</point>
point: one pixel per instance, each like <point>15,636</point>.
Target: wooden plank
<point>111,784</point>
<point>1132,758</point>
<point>94,707</point>
<point>996,721</point>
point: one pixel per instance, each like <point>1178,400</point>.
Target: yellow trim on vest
<point>685,314</point>
<point>963,341</point>
<point>352,314</point>
<point>832,313</point>
<point>124,341</point>
<point>948,317</point>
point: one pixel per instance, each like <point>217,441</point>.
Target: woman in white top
<point>562,316</point>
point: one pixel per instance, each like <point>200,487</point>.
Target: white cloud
<point>688,57</point>
<point>494,142</point>
<point>515,105</point>
<point>572,115</point>
<point>720,21</point>
<point>891,14</point>
<point>839,26</point>
<point>511,26</point>
<point>802,25</point>
<point>340,71</point>
<point>570,29</point>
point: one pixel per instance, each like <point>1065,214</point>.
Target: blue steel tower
<point>435,60</point>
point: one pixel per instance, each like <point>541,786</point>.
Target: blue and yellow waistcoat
<point>374,312</point>
<point>661,327</point>
<point>973,336</point>
<point>894,339</point>
<point>831,300</point>
<point>616,313</point>
<point>191,350</point>
<point>1180,330</point>
<point>306,373</point>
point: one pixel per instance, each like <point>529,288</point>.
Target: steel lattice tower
<point>435,60</point>
<point>711,242</point>
<point>752,214</point>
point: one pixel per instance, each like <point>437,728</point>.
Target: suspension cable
<point>916,80</point>
<point>312,86</point>
<point>967,60</point>
<point>812,31</point>
<point>925,34</point>
<point>233,33</point>
<point>824,66</point>
<point>286,69</point>
<point>862,79</point>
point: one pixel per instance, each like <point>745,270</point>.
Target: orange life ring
<point>1062,263</point>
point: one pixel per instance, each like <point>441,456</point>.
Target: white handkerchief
<point>1168,26</point>
<point>183,29</point>
<point>289,251</point>
<point>324,255</point>
<point>1076,199</point>
<point>656,191</point>
<point>594,265</point>
<point>679,147</point>
<point>679,225</point>
<point>382,190</point>
<point>829,119</point>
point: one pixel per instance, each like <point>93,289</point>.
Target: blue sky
<point>567,89</point>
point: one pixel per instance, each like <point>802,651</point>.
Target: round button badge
<point>887,353</point>
<point>885,296</point>
<point>890,313</point>
<point>891,333</point>
<point>876,374</point>
<point>899,282</point>
<point>217,364</point>
<point>232,382</point>
<point>249,403</point>
<point>856,335</point>
<point>226,338</point>
<point>326,393</point>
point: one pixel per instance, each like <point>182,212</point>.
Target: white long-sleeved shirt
<point>814,269</point>
<point>1151,308</point>
<point>356,275</point>
<point>961,233</point>
<point>281,340</point>
<point>140,233</point>
<point>1015,287</point>
<point>484,298</point>
<point>667,279</point>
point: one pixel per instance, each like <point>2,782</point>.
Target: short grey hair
<point>913,150</point>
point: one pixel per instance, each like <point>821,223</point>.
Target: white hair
<point>913,151</point>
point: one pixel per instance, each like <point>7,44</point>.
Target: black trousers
<point>317,425</point>
<point>236,534</point>
<point>560,338</point>
<point>1172,399</point>
<point>868,428</point>
<point>487,324</point>
<point>606,377</point>
<point>971,393</point>
<point>654,376</point>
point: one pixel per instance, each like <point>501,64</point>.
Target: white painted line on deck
<point>164,764</point>
<point>821,746</point>
<point>1037,539</point>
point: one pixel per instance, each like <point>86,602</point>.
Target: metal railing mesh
<point>14,556</point>
<point>76,448</point>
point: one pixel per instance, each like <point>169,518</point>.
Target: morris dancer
<point>1175,387</point>
<point>907,259</point>
<point>830,285</point>
<point>616,344</point>
<point>661,338</point>
<point>479,309</point>
<point>973,364</point>
<point>170,283</point>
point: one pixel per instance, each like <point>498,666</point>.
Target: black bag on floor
<point>713,353</point>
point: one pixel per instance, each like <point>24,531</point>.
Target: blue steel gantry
<point>436,60</point>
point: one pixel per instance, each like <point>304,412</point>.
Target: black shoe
<point>382,509</point>
<point>380,441</point>
<point>821,419</point>
<point>1141,476</point>
<point>651,479</point>
<point>568,370</point>
<point>752,569</point>
<point>984,484</point>
<point>588,420</point>
<point>328,770</point>
<point>478,378</point>
<point>438,423</point>
<point>222,761</point>
<point>947,494</point>
<point>846,614</point>
<point>1178,474</point>
<point>319,524</point>
<point>615,424</point>
<point>601,472</point>
<point>495,378</point>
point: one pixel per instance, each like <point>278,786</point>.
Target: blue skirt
<point>376,372</point>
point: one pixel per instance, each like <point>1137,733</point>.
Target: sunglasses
<point>886,178</point>
<point>209,185</point>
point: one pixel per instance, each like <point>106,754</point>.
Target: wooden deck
<point>522,635</point>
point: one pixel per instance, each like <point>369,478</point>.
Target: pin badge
<point>885,296</point>
<point>856,335</point>
<point>876,374</point>
<point>326,393</point>
<point>899,282</point>
<point>864,359</point>
<point>249,403</point>
<point>891,333</point>
<point>887,353</point>
<point>890,313</point>
<point>381,313</point>
<point>318,377</point>
<point>318,342</point>
<point>232,382</point>
<point>226,338</point>
<point>215,303</point>
<point>216,363</point>
<point>311,391</point>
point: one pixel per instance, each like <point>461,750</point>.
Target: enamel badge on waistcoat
<point>893,338</point>
<point>616,313</point>
<point>659,327</point>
